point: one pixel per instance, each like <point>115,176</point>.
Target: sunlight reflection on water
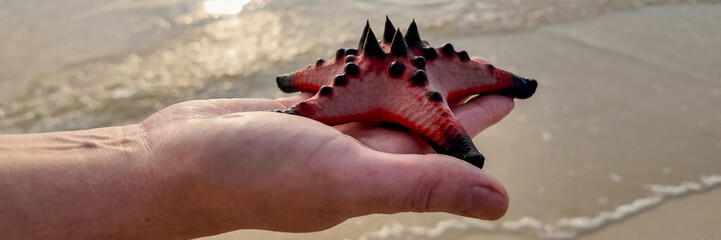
<point>225,7</point>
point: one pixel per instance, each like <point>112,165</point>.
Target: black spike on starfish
<point>371,48</point>
<point>413,38</point>
<point>398,45</point>
<point>388,31</point>
<point>403,81</point>
<point>363,35</point>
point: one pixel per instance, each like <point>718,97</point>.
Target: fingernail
<point>484,203</point>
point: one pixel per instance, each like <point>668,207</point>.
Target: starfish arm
<point>312,77</point>
<point>474,76</point>
<point>459,145</point>
<point>432,119</point>
<point>335,105</point>
<point>322,109</point>
<point>437,124</point>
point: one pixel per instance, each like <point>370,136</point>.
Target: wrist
<point>88,183</point>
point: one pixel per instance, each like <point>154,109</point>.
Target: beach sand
<point>626,101</point>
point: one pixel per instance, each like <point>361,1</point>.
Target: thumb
<point>428,183</point>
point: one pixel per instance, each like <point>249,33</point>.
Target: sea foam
<point>565,228</point>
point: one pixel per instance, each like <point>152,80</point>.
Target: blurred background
<point>621,141</point>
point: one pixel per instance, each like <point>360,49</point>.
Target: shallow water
<point>626,116</point>
<point>88,63</point>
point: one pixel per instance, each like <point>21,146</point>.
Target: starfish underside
<point>405,81</point>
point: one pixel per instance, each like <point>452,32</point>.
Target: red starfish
<point>404,81</point>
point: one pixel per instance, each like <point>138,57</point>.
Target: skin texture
<point>204,167</point>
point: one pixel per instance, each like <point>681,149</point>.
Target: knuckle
<point>421,197</point>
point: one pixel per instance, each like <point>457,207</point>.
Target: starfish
<point>402,80</point>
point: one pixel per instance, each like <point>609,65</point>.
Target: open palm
<point>246,167</point>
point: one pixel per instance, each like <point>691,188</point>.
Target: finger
<point>209,108</point>
<point>426,183</point>
<point>223,106</point>
<point>476,115</point>
<point>372,135</point>
<point>231,105</point>
<point>293,100</point>
<point>481,112</point>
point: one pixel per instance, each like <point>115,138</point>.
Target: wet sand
<point>625,84</point>
<point>694,217</point>
<point>626,101</point>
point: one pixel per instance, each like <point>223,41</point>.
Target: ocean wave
<point>565,228</point>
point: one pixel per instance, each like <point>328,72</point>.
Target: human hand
<point>236,168</point>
